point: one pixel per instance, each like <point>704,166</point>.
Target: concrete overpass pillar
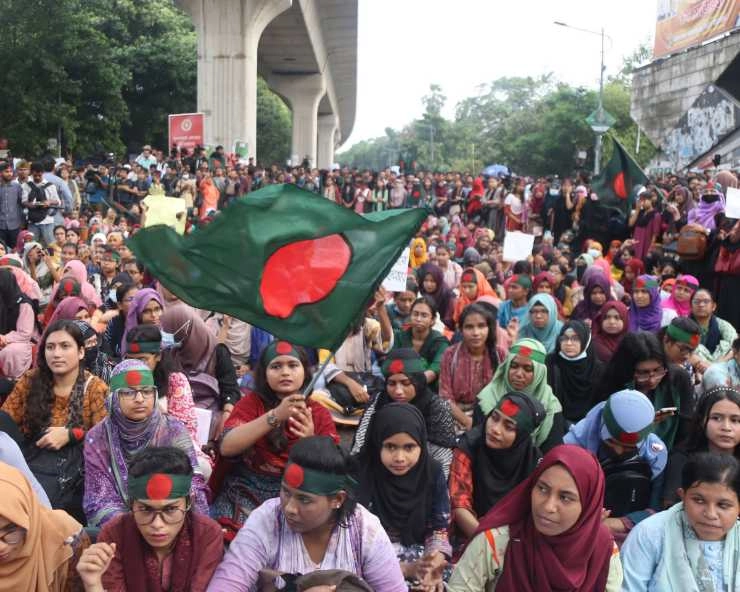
<point>327,141</point>
<point>228,35</point>
<point>303,92</point>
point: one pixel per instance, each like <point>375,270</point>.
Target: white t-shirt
<point>514,203</point>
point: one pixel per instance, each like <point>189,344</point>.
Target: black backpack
<point>37,194</point>
<point>628,485</point>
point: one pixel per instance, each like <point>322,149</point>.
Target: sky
<point>406,45</point>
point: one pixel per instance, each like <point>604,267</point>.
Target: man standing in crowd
<point>11,211</point>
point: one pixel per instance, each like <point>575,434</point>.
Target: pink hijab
<point>78,271</point>
<point>682,308</point>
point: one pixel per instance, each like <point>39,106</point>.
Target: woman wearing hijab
<point>40,267</point>
<point>712,202</point>
<point>70,309</point>
<point>158,542</point>
<point>405,383</point>
<point>680,298</point>
<point>493,458</point>
<point>146,308</point>
<point>608,329</point>
<point>432,285</point>
<point>573,369</point>
<point>134,423</point>
<point>546,535</point>
<point>96,361</point>
<point>76,269</point>
<point>632,269</point>
<point>39,547</point>
<point>17,327</point>
<point>473,285</point>
<point>646,312</point>
<point>407,490</point>
<point>541,323</point>
<point>596,292</point>
<point>418,255</point>
<point>524,371</point>
<point>205,362</point>
<point>26,283</point>
<point>717,334</point>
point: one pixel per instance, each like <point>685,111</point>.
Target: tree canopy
<point>107,73</point>
<point>533,125</point>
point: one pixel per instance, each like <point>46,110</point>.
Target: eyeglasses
<point>702,301</point>
<point>171,515</point>
<point>129,394</point>
<point>14,537</point>
<point>647,374</point>
<point>570,339</point>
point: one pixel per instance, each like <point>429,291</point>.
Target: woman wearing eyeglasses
<point>134,423</point>
<point>39,547</point>
<point>159,543</point>
<point>640,363</point>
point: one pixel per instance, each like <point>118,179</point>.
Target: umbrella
<point>496,170</point>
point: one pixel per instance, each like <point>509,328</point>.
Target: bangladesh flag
<point>286,260</point>
<point>616,184</point>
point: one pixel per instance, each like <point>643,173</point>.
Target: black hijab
<point>497,471</point>
<point>402,503</point>
<point>572,379</point>
<point>11,298</point>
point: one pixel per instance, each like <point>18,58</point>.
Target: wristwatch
<point>272,419</point>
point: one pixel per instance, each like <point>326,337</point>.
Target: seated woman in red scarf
<point>259,434</point>
<point>546,534</point>
<point>160,544</point>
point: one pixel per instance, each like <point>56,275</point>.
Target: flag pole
<point>320,370</point>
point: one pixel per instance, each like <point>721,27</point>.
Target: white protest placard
<point>203,416</point>
<point>170,211</point>
<point>732,207</point>
<point>396,280</point>
<point>517,246</point>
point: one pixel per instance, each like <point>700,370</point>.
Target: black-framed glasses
<point>147,393</point>
<point>14,536</point>
<point>170,515</point>
<point>647,374</point>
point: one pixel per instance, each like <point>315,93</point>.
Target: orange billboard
<point>683,23</point>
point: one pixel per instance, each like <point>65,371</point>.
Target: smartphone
<point>666,410</point>
<point>50,250</point>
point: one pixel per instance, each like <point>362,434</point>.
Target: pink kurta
<point>16,355</point>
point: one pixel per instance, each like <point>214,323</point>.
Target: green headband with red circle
<point>529,353</point>
<point>143,347</point>
<point>315,482</point>
<point>469,277</point>
<point>510,408</point>
<point>616,432</point>
<point>523,280</point>
<point>159,486</point>
<point>643,283</point>
<point>678,334</point>
<point>131,379</point>
<point>279,348</point>
<point>403,366</point>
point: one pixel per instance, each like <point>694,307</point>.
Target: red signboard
<point>186,130</point>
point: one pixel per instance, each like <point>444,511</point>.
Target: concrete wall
<point>663,91</point>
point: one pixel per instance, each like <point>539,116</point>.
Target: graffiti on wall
<point>713,116</point>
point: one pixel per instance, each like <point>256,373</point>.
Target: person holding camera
<point>41,200</point>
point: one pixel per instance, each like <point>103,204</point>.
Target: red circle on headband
<point>294,476</point>
<point>629,437</point>
<point>509,408</point>
<point>159,487</point>
<point>283,348</point>
<point>525,351</point>
<point>133,377</point>
<point>134,348</point>
<point>396,367</point>
<point>68,287</point>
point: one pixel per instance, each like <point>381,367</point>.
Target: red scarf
<point>604,343</point>
<point>577,560</point>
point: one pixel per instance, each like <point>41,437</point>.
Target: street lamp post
<point>600,110</point>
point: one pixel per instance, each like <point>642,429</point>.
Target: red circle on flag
<point>303,272</point>
<point>159,487</point>
<point>396,367</point>
<point>133,377</point>
<point>619,187</point>
<point>294,476</point>
<point>283,348</point>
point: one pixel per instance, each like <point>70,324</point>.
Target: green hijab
<point>491,394</point>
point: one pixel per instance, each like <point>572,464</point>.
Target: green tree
<point>274,125</point>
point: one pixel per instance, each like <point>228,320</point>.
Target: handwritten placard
<point>396,279</point>
<point>517,246</point>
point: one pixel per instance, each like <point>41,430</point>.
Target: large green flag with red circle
<point>616,184</point>
<point>286,260</point>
